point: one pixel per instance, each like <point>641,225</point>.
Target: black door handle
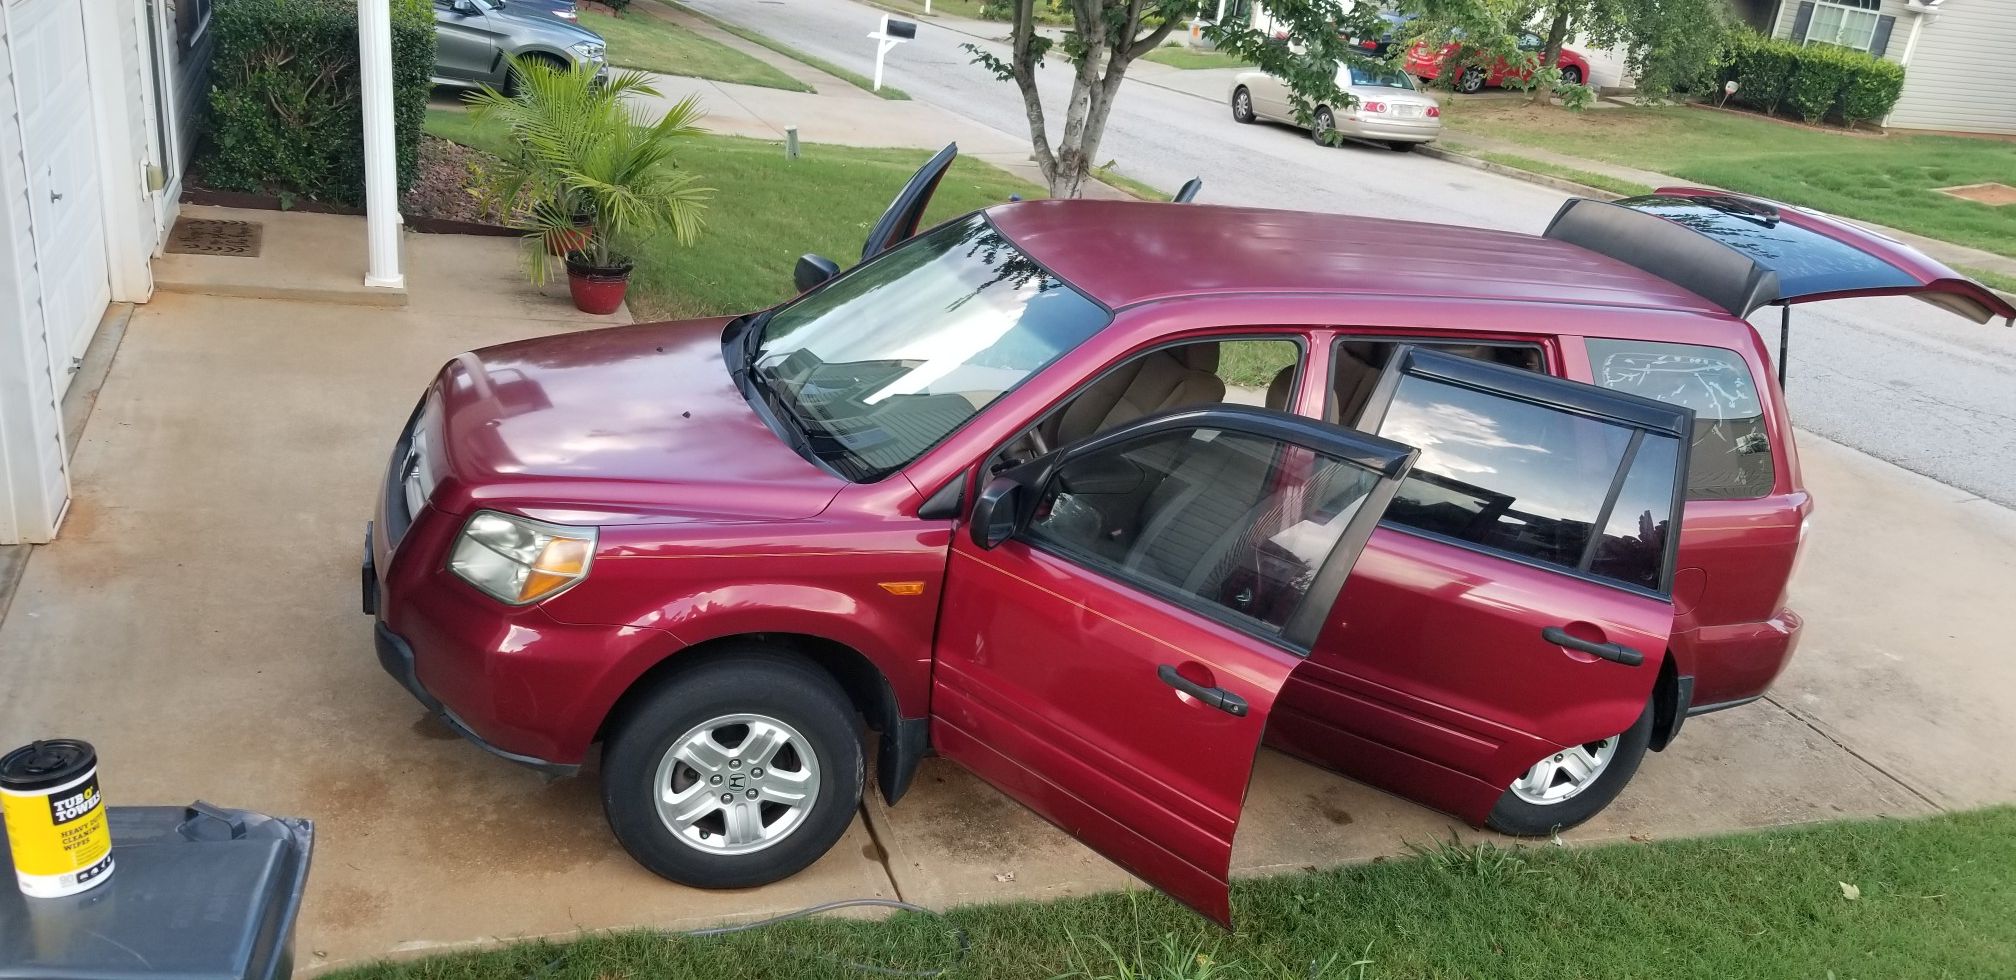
<point>1217,697</point>
<point>1613,652</point>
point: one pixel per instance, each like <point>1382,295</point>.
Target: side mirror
<point>813,270</point>
<point>466,7</point>
<point>997,515</point>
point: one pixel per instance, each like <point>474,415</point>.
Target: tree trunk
<point>1550,54</point>
<point>1094,83</point>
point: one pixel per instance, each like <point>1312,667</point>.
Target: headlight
<point>590,50</point>
<point>519,560</point>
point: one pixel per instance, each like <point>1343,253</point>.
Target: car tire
<point>1242,105</point>
<point>1520,814</point>
<point>1324,132</point>
<point>1571,75</point>
<point>1472,80</point>
<point>660,777</point>
<point>512,85</point>
<point>1401,146</point>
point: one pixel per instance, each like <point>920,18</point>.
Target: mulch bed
<point>446,196</point>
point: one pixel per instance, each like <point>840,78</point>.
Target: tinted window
<point>877,366</point>
<point>1633,546</point>
<point>1234,524</point>
<point>1502,473</point>
<point>1731,457</point>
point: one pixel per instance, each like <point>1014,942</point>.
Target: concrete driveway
<point>198,621</point>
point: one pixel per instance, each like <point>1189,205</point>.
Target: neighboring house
<point>1959,56</point>
<point>91,160</point>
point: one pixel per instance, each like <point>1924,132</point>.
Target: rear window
<point>1731,459</point>
<point>1381,78</point>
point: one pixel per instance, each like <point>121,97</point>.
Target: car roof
<point>1123,253</point>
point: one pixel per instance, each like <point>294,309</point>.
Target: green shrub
<point>1818,76</point>
<point>616,6</point>
<point>1871,93</point>
<point>1811,81</point>
<point>285,103</point>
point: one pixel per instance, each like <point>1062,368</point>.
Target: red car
<point>1427,66</point>
<point>990,493</point>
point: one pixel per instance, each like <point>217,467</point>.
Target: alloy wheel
<point>1325,125</point>
<point>1565,774</point>
<point>736,784</point>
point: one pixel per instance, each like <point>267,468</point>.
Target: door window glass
<point>1731,458</point>
<point>1233,525</point>
<point>1632,548</point>
<point>1502,473</point>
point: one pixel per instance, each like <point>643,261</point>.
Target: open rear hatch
<point>1744,253</point>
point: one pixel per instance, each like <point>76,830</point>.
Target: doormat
<point>213,236</point>
<point>1993,195</point>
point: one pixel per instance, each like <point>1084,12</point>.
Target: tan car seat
<point>1175,377</point>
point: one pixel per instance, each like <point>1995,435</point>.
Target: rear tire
<point>1571,75</point>
<point>1324,132</point>
<point>1242,105</point>
<point>1520,815</point>
<point>677,746</point>
<point>1472,80</point>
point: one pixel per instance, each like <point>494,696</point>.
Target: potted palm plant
<point>602,177</point>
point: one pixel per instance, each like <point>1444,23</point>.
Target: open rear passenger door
<point>1119,614</point>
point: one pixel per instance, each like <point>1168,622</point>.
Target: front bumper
<point>395,655</point>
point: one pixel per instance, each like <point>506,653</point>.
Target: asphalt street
<point>1892,377</point>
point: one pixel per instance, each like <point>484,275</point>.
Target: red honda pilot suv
<point>998,492</point>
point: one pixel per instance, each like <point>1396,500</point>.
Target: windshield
<point>879,365</point>
<point>1381,78</point>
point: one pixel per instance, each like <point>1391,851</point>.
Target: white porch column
<point>381,175</point>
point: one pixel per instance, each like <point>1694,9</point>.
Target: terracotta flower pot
<point>595,289</point>
<point>569,241</point>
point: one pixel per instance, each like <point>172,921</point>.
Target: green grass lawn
<point>1927,898</point>
<point>1181,57</point>
<point>855,79</point>
<point>1603,181</point>
<point>1885,179</point>
<point>638,40</point>
<point>767,211</point>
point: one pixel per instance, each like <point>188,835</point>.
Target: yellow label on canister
<point>58,837</point>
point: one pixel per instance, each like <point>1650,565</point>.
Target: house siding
<point>1961,75</point>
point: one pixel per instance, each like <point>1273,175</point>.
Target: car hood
<point>628,424</point>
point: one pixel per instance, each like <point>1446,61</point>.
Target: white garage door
<point>64,190</point>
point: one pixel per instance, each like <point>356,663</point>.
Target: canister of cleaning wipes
<point>55,818</point>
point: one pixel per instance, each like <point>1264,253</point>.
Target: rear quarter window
<point>1732,455</point>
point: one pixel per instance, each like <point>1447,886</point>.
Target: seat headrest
<point>1281,390</point>
<point>1199,357</point>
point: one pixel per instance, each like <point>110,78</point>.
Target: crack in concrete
<point>1845,747</point>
